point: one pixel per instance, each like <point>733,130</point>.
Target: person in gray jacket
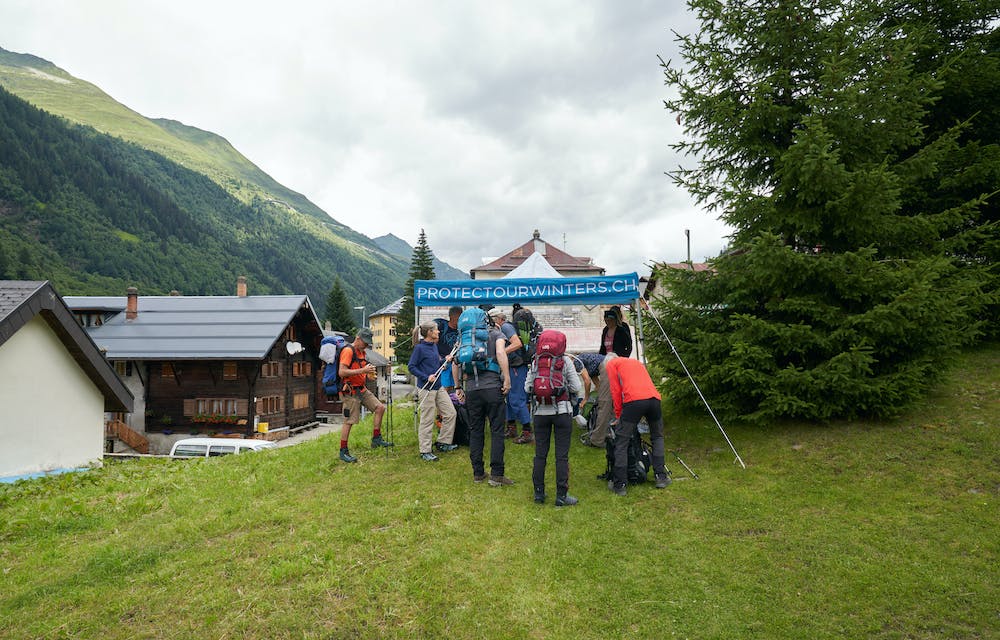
<point>554,418</point>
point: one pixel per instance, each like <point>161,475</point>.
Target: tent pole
<point>691,378</point>
<point>640,337</point>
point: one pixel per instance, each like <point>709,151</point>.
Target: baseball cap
<point>495,311</point>
<point>366,335</point>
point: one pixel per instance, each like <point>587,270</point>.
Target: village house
<point>241,366</point>
<point>57,385</point>
<point>383,326</point>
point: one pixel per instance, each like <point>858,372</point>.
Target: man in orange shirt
<point>355,371</point>
<point>634,396</point>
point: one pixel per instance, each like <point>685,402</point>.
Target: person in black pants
<point>485,391</point>
<point>555,418</point>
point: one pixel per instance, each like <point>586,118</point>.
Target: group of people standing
<point>499,397</point>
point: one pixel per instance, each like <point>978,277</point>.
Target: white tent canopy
<point>536,266</point>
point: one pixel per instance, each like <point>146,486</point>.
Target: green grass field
<point>851,530</point>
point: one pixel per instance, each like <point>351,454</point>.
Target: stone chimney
<point>241,287</point>
<point>539,244</point>
<point>132,303</point>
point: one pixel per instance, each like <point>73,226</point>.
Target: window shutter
<point>241,407</point>
<point>189,407</point>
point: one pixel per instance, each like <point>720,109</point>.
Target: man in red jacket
<point>634,396</point>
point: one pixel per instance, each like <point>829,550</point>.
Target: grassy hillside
<point>95,214</point>
<point>48,87</point>
<point>849,530</point>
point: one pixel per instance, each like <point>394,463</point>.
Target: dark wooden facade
<point>231,396</point>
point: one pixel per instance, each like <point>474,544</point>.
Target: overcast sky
<point>476,121</point>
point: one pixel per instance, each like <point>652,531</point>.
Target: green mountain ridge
<point>255,226</point>
<point>95,214</point>
<point>400,248</point>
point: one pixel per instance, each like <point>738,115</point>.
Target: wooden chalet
<point>216,365</point>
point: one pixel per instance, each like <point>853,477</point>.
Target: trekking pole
<point>691,378</point>
<point>693,474</point>
<point>427,385</point>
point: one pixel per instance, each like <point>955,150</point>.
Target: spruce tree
<point>838,296</point>
<point>339,313</point>
<point>421,268</point>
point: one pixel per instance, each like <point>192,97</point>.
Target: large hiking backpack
<point>640,458</point>
<point>329,352</point>
<point>528,330</point>
<point>549,386</point>
<point>474,352</point>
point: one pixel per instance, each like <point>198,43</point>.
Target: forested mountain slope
<point>95,214</point>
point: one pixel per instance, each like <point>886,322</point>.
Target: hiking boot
<point>500,481</point>
<point>444,447</point>
<point>524,438</point>
<point>662,480</point>
<point>428,457</point>
<point>617,489</point>
<point>511,431</point>
<point>378,441</point>
<point>479,478</point>
<point>346,456</point>
<point>566,501</point>
<point>539,496</point>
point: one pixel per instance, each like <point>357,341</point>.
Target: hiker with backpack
<point>354,372</point>
<point>446,343</point>
<point>517,400</point>
<point>551,381</point>
<point>481,366</point>
<point>634,397</point>
<point>427,365</point>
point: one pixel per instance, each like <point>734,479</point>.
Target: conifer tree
<point>339,313</point>
<point>421,268</point>
<point>838,296</point>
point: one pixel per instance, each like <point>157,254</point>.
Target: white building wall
<point>51,413</point>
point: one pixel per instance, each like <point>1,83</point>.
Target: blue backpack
<point>473,342</point>
<point>329,352</point>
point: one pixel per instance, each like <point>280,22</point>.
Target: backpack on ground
<point>474,352</point>
<point>329,352</point>
<point>528,330</point>
<point>549,386</point>
<point>639,460</point>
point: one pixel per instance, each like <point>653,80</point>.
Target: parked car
<point>210,447</point>
<point>400,377</point>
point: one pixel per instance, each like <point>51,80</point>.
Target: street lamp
<point>362,310</point>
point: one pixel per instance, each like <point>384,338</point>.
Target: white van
<point>209,447</point>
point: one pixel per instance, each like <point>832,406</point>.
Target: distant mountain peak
<point>401,249</point>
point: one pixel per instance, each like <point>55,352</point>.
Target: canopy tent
<point>535,266</point>
<point>617,289</point>
<point>548,290</point>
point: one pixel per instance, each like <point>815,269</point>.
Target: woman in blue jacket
<point>426,364</point>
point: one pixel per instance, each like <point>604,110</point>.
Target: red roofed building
<point>564,263</point>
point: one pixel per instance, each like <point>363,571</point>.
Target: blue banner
<point>618,289</point>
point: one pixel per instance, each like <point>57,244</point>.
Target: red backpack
<point>550,385</point>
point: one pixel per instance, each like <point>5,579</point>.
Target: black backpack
<point>640,458</point>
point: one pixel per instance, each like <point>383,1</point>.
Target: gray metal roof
<point>23,300</point>
<point>194,327</point>
<point>390,309</point>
